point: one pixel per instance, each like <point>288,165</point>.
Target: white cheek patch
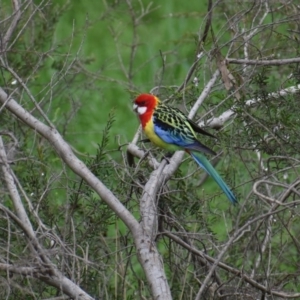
<point>141,110</point>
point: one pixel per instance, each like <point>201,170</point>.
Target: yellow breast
<point>156,140</point>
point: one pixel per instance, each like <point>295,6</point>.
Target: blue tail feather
<point>203,162</point>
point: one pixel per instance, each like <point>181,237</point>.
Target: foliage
<point>76,66</point>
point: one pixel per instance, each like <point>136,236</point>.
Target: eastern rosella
<point>170,129</point>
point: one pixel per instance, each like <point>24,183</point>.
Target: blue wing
<point>180,135</point>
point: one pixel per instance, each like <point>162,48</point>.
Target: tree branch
<point>241,274</point>
<point>65,152</point>
<point>13,24</point>
<point>218,122</point>
<point>263,62</point>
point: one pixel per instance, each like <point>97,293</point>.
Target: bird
<point>169,128</point>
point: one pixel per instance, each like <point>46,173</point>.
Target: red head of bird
<point>144,105</point>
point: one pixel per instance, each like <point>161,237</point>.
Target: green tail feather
<point>203,162</point>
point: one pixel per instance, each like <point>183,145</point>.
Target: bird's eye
<point>142,103</point>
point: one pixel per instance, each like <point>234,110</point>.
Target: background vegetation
<point>76,66</point>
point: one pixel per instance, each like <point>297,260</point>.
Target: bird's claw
<point>167,157</point>
<point>144,141</point>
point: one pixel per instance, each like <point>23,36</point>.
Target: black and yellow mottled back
<point>173,127</point>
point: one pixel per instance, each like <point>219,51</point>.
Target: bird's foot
<point>144,141</point>
<point>167,157</point>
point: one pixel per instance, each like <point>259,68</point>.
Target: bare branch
<point>14,194</point>
<point>259,62</point>
<point>218,122</point>
<point>204,257</point>
<point>66,153</point>
<point>16,18</point>
<point>204,94</point>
